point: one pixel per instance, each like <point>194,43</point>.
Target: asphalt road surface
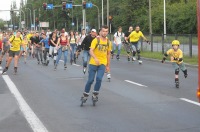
<point>139,98</point>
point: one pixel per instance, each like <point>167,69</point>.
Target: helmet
<point>175,42</point>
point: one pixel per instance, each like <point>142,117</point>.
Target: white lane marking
<point>73,64</point>
<point>33,120</point>
<point>190,101</point>
<point>135,83</point>
<point>76,65</point>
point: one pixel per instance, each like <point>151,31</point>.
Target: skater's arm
<point>165,56</point>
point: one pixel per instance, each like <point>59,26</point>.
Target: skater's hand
<point>107,69</point>
<point>172,58</point>
<point>148,42</point>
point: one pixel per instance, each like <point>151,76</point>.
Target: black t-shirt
<point>55,41</point>
<point>127,34</point>
<point>37,39</point>
<point>86,43</point>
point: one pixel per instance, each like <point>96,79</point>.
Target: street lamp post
<point>34,17</point>
<point>98,16</point>
<point>30,16</point>
<point>102,14</point>
<point>164,19</point>
<point>24,17</point>
<point>150,20</point>
<point>107,12</point>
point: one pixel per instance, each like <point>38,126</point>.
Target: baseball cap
<point>94,30</point>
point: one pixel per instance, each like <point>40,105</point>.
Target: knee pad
<point>138,51</point>
<point>177,71</point>
<point>134,53</point>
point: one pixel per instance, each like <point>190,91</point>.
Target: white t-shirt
<point>119,37</point>
<point>66,34</point>
<point>81,38</point>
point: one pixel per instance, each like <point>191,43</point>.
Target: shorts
<point>13,53</point>
<point>177,66</point>
<point>5,49</point>
<point>78,48</point>
<point>22,49</point>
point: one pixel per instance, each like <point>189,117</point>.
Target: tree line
<point>180,15</point>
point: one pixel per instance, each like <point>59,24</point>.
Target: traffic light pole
<point>198,29</point>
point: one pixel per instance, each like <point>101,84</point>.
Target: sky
<point>5,5</point>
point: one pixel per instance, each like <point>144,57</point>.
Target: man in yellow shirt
<point>14,42</point>
<point>134,38</point>
<point>99,62</point>
<point>177,60</point>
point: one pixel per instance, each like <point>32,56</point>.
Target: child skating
<point>176,56</point>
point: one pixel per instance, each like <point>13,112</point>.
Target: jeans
<point>119,48</point>
<point>86,56</point>
<point>38,51</point>
<point>60,54</point>
<point>73,51</point>
<point>46,57</point>
<point>93,70</point>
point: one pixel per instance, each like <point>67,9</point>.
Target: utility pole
<point>107,12</point>
<point>150,20</point>
<point>102,14</point>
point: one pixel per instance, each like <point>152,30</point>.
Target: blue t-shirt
<point>46,42</point>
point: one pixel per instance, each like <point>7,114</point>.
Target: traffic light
<point>45,6</point>
<point>63,5</point>
<point>84,4</point>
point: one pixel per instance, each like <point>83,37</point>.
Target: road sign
<point>44,24</point>
<point>49,6</point>
<point>89,5</point>
<point>68,6</point>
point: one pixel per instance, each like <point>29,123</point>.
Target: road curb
<point>168,62</point>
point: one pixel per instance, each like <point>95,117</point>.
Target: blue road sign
<point>49,6</point>
<point>68,6</point>
<point>89,5</point>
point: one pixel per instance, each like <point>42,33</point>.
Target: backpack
<point>118,34</point>
<point>98,42</point>
<point>14,39</point>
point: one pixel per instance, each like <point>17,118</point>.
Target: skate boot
<point>54,62</point>
<point>84,70</point>
<point>177,82</point>
<point>55,67</point>
<point>117,57</point>
<point>185,73</point>
<point>95,97</point>
<point>47,63</point>
<point>65,66</point>
<point>15,70</point>
<point>71,61</point>
<point>38,62</point>
<point>140,62</point>
<point>128,58</point>
<point>4,70</point>
<point>109,76</point>
<point>133,59</point>
<point>84,98</point>
<point>112,54</point>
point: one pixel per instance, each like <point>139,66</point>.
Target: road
<point>139,98</point>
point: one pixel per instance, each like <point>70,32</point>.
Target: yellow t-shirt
<point>135,37</point>
<point>15,43</point>
<point>25,43</point>
<point>176,54</point>
<point>100,51</point>
<point>29,36</point>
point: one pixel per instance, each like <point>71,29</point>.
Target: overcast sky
<point>5,5</point>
